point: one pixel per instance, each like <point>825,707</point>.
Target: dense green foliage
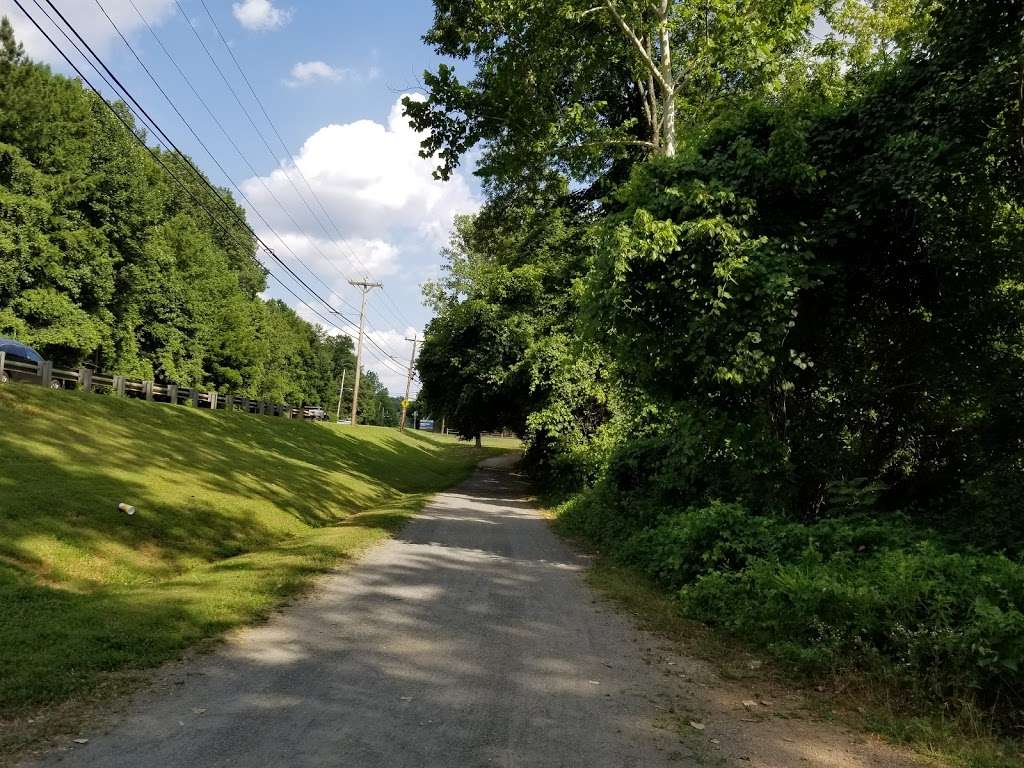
<point>104,259</point>
<point>780,368</point>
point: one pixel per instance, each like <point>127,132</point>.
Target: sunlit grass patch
<point>235,513</point>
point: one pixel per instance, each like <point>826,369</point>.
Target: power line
<point>389,357</point>
<point>284,146</point>
<point>251,120</point>
<point>191,130</point>
<point>270,151</point>
<point>148,121</point>
<point>163,134</point>
<point>198,174</point>
<point>213,217</point>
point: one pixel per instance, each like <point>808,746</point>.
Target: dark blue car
<point>20,363</point>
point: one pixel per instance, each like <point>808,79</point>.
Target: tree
<point>104,258</point>
<point>580,89</point>
<point>469,367</point>
<point>828,282</point>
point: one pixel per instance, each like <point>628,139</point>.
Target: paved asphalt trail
<point>469,640</point>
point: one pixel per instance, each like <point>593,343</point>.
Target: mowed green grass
<point>488,441</point>
<point>235,512</point>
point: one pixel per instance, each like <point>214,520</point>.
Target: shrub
<point>874,593</point>
<point>950,625</point>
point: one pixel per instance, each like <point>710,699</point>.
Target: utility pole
<point>408,380</point>
<point>365,287</point>
<point>341,392</point>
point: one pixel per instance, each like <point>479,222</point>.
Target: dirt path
<point>470,640</point>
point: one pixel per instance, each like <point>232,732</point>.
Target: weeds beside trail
<point>883,627</point>
<point>235,513</point>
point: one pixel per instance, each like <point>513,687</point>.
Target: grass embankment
<point>234,513</point>
<point>489,441</point>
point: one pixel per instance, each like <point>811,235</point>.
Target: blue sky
<point>330,73</point>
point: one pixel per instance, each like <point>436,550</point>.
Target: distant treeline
<point>105,259</point>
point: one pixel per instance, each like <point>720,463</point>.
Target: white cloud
<point>336,261</point>
<point>371,180</point>
<point>307,72</point>
<point>260,15</point>
<point>390,210</point>
<point>310,72</point>
<point>88,20</point>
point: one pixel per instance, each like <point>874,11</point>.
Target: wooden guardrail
<point>44,374</point>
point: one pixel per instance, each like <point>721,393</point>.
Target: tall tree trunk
<point>478,443</point>
<point>652,92</point>
<point>663,130</point>
<point>668,98</point>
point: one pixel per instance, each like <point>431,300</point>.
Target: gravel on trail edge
<point>470,639</point>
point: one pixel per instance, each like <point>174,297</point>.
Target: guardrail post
<point>119,385</point>
<point>3,361</point>
<point>147,390</point>
<point>194,394</point>
<point>46,372</point>
<point>229,402</point>
<point>172,393</point>
<point>85,379</point>
<point>213,401</point>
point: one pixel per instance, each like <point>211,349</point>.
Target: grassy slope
<point>235,512</point>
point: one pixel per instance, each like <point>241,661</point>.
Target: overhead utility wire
<point>156,156</point>
<point>266,144</point>
<point>213,217</point>
<point>252,122</point>
<point>121,89</point>
<point>162,133</point>
<point>284,146</point>
<point>237,149</point>
<point>191,130</point>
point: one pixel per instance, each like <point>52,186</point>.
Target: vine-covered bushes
<point>839,593</point>
<point>787,383</point>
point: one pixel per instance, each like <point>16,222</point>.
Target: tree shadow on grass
<point>85,588</point>
<point>57,641</point>
<point>206,485</point>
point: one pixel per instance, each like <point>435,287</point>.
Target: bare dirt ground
<point>472,639</point>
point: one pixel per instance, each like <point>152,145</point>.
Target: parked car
<point>21,363</point>
<point>311,412</point>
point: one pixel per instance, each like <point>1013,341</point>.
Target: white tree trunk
<point>663,127</point>
<point>668,100</point>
